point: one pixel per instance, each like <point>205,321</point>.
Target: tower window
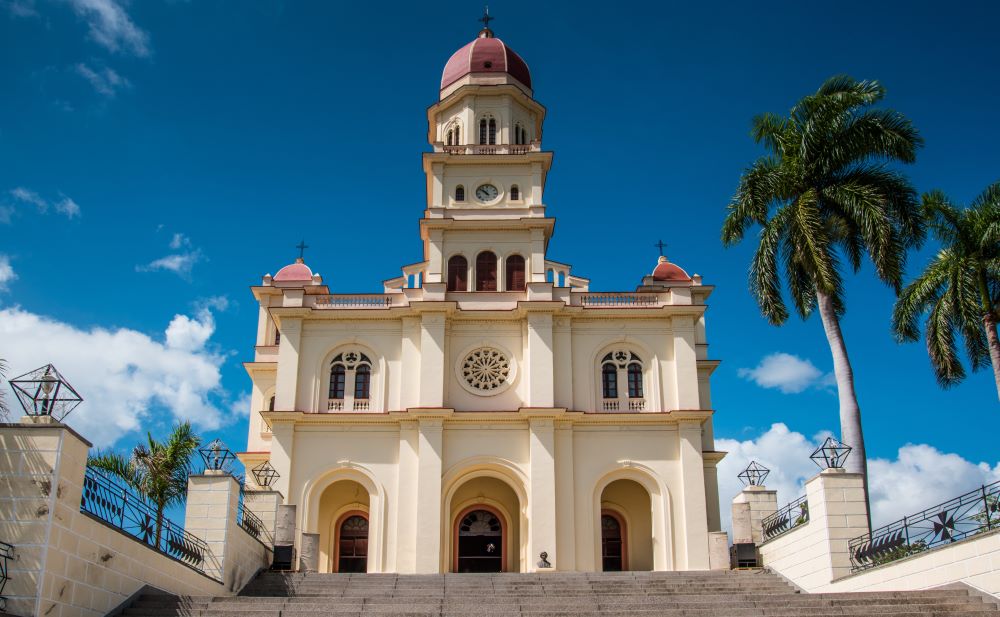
<point>487,65</point>
<point>635,380</point>
<point>621,381</point>
<point>458,269</point>
<point>338,379</point>
<point>459,193</point>
<point>493,131</point>
<point>515,273</point>
<point>486,272</point>
<point>482,131</point>
<point>515,193</point>
<point>449,142</point>
<point>362,381</point>
<point>609,381</point>
<point>270,404</point>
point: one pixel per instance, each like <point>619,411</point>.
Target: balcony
<point>492,149</point>
<point>357,405</point>
<point>631,404</point>
<point>352,301</point>
<point>617,300</point>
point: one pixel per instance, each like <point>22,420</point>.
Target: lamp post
<point>831,455</point>
<point>44,392</point>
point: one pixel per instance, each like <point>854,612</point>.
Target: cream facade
<point>487,407</point>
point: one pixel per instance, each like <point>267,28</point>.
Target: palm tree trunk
<point>989,323</point>
<point>850,412</point>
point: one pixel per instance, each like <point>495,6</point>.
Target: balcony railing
<point>632,404</point>
<point>119,507</point>
<point>492,149</point>
<point>251,523</point>
<point>335,404</point>
<point>964,516</point>
<point>786,519</point>
<point>614,300</point>
<point>362,404</point>
<point>353,301</point>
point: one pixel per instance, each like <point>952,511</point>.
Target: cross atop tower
<point>302,246</point>
<point>486,19</point>
<point>661,245</point>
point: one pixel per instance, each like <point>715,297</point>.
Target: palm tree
<point>959,291</point>
<point>822,196</point>
<point>157,470</point>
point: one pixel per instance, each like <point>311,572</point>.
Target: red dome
<point>486,54</point>
<point>297,271</point>
<point>666,271</point>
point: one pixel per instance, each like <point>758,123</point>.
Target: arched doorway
<point>352,543</point>
<point>480,540</point>
<point>613,542</point>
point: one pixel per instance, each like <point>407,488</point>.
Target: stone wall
<point>68,563</point>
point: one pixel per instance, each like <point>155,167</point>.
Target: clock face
<point>487,192</point>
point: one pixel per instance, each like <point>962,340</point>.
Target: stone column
<point>406,503</point>
<point>432,345</point>
<point>288,364</point>
<point>837,503</point>
<point>718,550</point>
<point>42,464</point>
<point>210,514</point>
<point>695,541</point>
<point>284,526</point>
<point>309,553</point>
<point>539,366</point>
<point>565,497</point>
<point>542,489</point>
<point>750,507</point>
<point>429,515</point>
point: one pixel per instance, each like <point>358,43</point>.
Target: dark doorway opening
<point>480,542</point>
<point>612,544</point>
<point>352,544</point>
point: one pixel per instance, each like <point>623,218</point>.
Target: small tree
<point>157,470</point>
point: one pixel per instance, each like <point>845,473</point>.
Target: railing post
<point>986,508</point>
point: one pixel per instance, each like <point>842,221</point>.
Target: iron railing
<point>954,520</point>
<point>786,519</point>
<point>252,524</point>
<point>116,505</point>
<point>6,556</point>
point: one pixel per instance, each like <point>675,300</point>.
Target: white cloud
<point>68,207</point>
<point>919,477</point>
<point>65,206</point>
<point>127,378</point>
<point>20,8</point>
<point>786,372</point>
<point>30,197</point>
<point>111,27</point>
<point>105,81</point>
<point>7,274</point>
<point>179,240</point>
<point>178,263</point>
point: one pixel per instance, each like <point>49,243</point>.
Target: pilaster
<point>685,363</point>
<point>565,497</point>
<point>288,364</point>
<point>430,428</point>
<point>541,388</point>
<point>432,346</point>
<point>542,491</point>
<point>210,514</point>
<point>562,333</point>
<point>695,554</point>
<point>406,504</point>
<point>282,448</point>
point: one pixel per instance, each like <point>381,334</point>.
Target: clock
<point>487,192</point>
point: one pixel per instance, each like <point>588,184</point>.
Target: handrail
<point>954,520</point>
<point>252,524</point>
<point>6,556</point>
<point>786,519</point>
<point>623,299</point>
<point>120,507</point>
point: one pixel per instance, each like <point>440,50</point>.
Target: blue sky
<point>158,157</point>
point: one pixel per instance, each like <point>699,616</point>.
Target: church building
<point>486,410</point>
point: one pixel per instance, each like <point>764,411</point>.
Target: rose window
<point>486,370</point>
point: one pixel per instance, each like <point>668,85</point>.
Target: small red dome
<point>297,271</point>
<point>666,271</point>
<point>486,54</point>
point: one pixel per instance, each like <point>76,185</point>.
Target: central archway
<point>480,540</point>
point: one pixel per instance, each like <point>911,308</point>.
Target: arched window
<point>449,141</point>
<point>458,269</point>
<point>493,131</point>
<point>270,404</point>
<point>338,380</point>
<point>277,337</point>
<point>609,380</point>
<point>515,193</point>
<point>621,381</point>
<point>524,136</point>
<point>517,134</point>
<point>459,193</point>
<point>635,380</point>
<point>482,131</point>
<point>515,273</point>
<point>362,382</point>
<point>486,272</point>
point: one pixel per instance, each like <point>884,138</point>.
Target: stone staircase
<point>643,594</point>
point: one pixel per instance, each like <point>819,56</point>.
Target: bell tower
<point>486,171</point>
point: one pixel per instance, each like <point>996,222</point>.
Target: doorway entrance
<point>612,543</point>
<point>480,541</point>
<point>352,543</point>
